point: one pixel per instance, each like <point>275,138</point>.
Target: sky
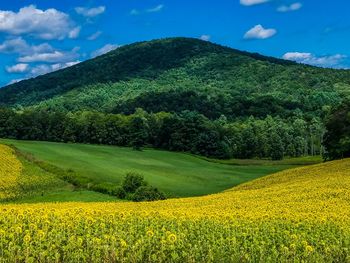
<point>40,36</point>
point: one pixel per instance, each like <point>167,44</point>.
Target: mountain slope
<point>180,73</point>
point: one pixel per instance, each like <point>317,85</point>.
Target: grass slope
<point>177,174</point>
<point>22,181</point>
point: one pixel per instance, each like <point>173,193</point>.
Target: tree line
<point>187,131</point>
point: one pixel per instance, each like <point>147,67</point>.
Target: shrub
<point>147,193</point>
<point>120,192</point>
<point>132,181</point>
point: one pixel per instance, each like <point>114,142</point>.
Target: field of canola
<point>295,215</point>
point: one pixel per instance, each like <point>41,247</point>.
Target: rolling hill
<point>295,215</point>
<point>184,74</point>
<point>176,174</point>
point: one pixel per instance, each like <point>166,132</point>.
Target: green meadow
<point>177,174</point>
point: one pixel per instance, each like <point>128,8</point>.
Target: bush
<point>120,192</point>
<point>147,193</point>
<point>132,181</point>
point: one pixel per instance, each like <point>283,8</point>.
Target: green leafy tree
<point>337,137</point>
<point>132,181</point>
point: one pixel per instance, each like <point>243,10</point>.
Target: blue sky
<point>40,36</point>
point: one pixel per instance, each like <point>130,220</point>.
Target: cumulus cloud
<point>94,35</point>
<point>205,37</point>
<point>311,59</point>
<point>18,68</point>
<point>55,56</point>
<point>155,9</point>
<point>105,49</point>
<point>44,24</point>
<point>90,12</point>
<point>253,2</point>
<point>259,32</point>
<point>20,46</point>
<point>289,8</point>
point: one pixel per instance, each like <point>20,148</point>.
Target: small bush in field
<point>147,193</point>
<point>132,181</point>
<point>135,188</point>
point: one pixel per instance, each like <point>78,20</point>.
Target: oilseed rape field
<point>298,215</point>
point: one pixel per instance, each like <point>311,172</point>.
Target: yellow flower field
<point>296,215</point>
<point>10,169</point>
<point>18,181</point>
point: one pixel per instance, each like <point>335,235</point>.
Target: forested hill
<point>179,74</point>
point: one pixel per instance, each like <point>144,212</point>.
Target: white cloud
<point>94,35</point>
<point>205,37</point>
<point>75,32</point>
<point>45,24</point>
<point>17,45</point>
<point>51,57</point>
<point>311,59</point>
<point>44,68</point>
<point>20,46</point>
<point>155,9</point>
<point>105,49</point>
<point>90,12</point>
<point>40,70</point>
<point>158,8</point>
<point>259,32</point>
<point>289,8</point>
<point>253,2</point>
<point>18,68</point>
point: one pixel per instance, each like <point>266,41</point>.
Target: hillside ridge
<point>152,60</point>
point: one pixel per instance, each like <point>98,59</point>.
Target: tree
<point>132,181</point>
<point>276,146</point>
<point>139,129</point>
<point>337,138</point>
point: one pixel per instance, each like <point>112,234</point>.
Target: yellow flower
<point>150,233</point>
<point>18,230</point>
<point>123,243</point>
<point>41,234</point>
<point>309,249</point>
<point>27,238</point>
<point>172,238</point>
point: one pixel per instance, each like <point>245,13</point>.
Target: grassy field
<point>24,182</point>
<point>298,161</point>
<point>177,174</point>
<point>298,215</point>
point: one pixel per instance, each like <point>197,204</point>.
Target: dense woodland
<point>183,95</point>
<point>271,137</point>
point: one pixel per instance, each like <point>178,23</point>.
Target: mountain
<point>178,74</point>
